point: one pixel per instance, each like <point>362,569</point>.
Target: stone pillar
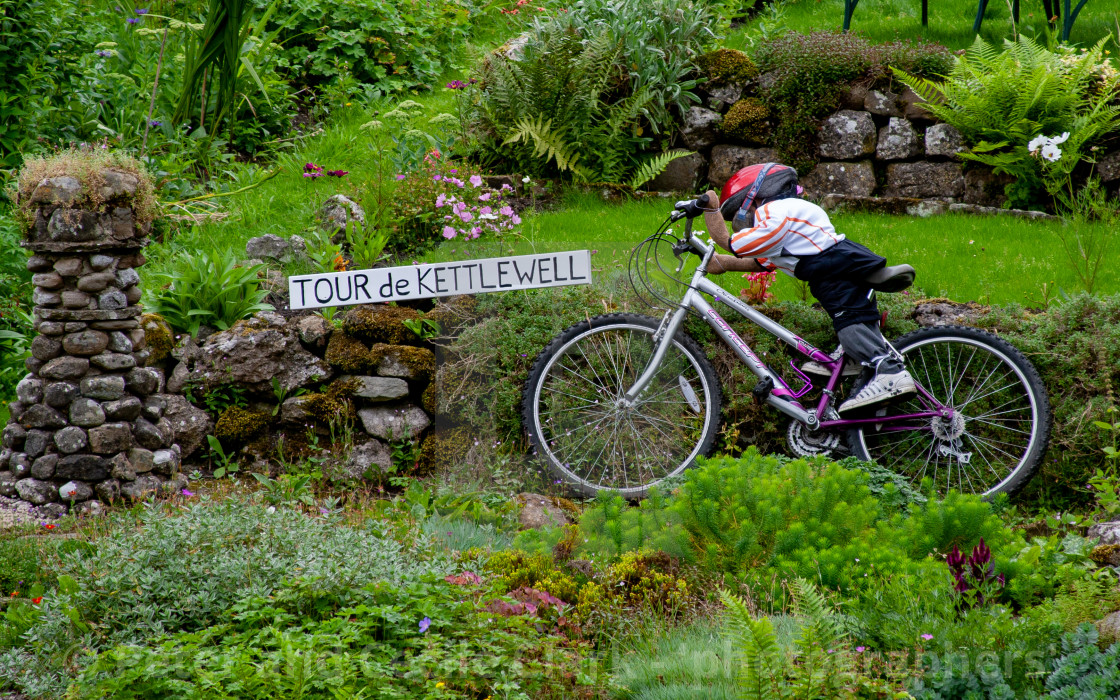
<point>85,428</point>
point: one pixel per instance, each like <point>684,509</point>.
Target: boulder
<point>41,416</point>
<point>7,484</point>
<point>190,423</point>
<point>314,331</point>
<point>82,467</point>
<point>36,442</point>
<point>142,460</point>
<point>854,97</point>
<point>1109,628</point>
<point>268,247</point>
<point>379,388</point>
<point>63,190</point>
<point>43,468</point>
<point>29,390</point>
<point>74,491</point>
<point>945,313</point>
<point>121,469</point>
<point>841,178</point>
<point>254,352</point>
<point>117,184</point>
<point>394,423</point>
<point>898,140</point>
<point>720,97</point>
<point>125,409</point>
<point>1107,532</point>
<point>110,438</point>
<point>87,413</point>
<point>373,455</point>
<point>70,440</point>
<point>44,347</point>
<point>50,511</point>
<point>36,492</point>
<point>925,179</point>
<point>65,367</point>
<point>680,175</point>
<point>912,106</point>
<point>403,361</point>
<point>104,388</point>
<point>848,135</point>
<point>539,511</point>
<point>60,394</point>
<point>90,509</point>
<point>885,104</point>
<point>296,410</point>
<point>144,486</point>
<point>1108,167</point>
<point>339,210</point>
<point>701,128</point>
<point>984,188</point>
<point>727,160</point>
<point>943,140</point>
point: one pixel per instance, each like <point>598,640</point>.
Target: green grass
<point>995,260</point>
<point>950,21</point>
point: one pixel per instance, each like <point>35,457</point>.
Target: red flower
<point>50,527</point>
<point>36,601</point>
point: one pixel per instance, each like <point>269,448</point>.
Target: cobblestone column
<point>85,428</point>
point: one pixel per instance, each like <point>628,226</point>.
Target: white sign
<point>440,279</point>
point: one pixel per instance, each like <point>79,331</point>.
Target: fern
<point>762,676</point>
<point>546,142</point>
<point>655,166</point>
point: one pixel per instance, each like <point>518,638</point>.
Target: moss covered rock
<point>381,324</point>
<point>748,120</point>
<point>348,354</point>
<point>158,337</point>
<point>240,425</point>
<point>453,312</point>
<point>404,361</point>
<point>443,447</point>
<point>727,66</point>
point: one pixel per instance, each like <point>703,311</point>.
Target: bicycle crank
<point>806,443</point>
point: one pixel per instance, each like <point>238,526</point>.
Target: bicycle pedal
<point>762,390</point>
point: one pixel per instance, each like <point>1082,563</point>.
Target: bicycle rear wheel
<point>1001,427</point>
<point>574,419</point>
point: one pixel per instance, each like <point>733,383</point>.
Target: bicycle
<point>620,402</point>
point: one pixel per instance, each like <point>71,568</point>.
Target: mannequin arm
<point>717,229</point>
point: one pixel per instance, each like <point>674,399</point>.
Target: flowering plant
<point>471,214</point>
<point>757,290</point>
<point>974,576</point>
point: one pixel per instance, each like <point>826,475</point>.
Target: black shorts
<point>836,278</point>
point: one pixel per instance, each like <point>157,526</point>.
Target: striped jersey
<point>784,229</point>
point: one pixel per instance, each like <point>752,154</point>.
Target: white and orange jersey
<point>784,229</point>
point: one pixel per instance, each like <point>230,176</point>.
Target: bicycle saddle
<point>893,278</point>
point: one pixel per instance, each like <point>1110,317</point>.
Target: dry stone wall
<point>88,426</point>
<point>879,144</point>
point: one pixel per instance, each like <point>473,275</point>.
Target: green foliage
<point>1083,671</point>
<point>747,120</point>
<point>612,528</point>
<point>387,46</point>
<point>811,72</point>
<point>1001,100</point>
<point>207,288</point>
<point>727,66</point>
<point>15,300</point>
<point>578,97</point>
<point>215,51</point>
<point>366,246</point>
<point>308,641</point>
<point>654,166</point>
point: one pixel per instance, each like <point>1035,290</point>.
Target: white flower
<point>525,179</point>
<point>1051,152</point>
<point>1055,140</point>
<point>270,509</point>
<point>1037,142</point>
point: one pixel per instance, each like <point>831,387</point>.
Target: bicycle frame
<point>781,397</point>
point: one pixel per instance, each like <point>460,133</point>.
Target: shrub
<point>207,288</point>
<point>389,46</point>
<point>15,301</point>
<point>811,72</point>
<point>747,120</point>
<point>581,93</point>
<point>1002,101</point>
<point>727,66</point>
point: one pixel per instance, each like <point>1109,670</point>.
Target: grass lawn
<point>995,260</point>
<point>950,21</point>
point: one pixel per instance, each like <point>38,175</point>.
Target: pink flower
<point>436,177</point>
<point>484,197</point>
<point>458,207</point>
<point>927,637</point>
<point>506,187</point>
<point>441,200</point>
<point>485,211</point>
<point>506,211</point>
<point>400,177</point>
<point>476,181</point>
<point>515,219</point>
<point>466,216</point>
<point>861,649</point>
<point>449,232</point>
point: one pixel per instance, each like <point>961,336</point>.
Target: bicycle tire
<point>538,412</point>
<point>920,348</point>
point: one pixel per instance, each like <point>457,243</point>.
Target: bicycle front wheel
<point>576,421</point>
<point>1001,423</point>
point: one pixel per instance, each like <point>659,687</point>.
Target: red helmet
<point>766,179</point>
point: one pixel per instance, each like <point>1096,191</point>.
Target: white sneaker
<point>851,368</point>
<point>881,388</point>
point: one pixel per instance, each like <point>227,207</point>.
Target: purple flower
<point>506,211</point>
<point>448,232</point>
<point>155,122</point>
<point>103,53</point>
<point>425,624</point>
<point>400,177</point>
<point>474,80</point>
<point>453,171</point>
<point>475,181</point>
<point>141,10</point>
<point>437,177</point>
<point>187,493</point>
<point>338,173</point>
<point>132,20</point>
<point>861,649</point>
<point>441,200</point>
<point>484,197</point>
<point>456,85</point>
<point>927,637</point>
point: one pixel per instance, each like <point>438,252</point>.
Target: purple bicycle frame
<point>782,397</point>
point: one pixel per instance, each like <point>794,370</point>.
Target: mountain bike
<point>621,402</point>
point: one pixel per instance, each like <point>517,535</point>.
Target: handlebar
<point>690,208</point>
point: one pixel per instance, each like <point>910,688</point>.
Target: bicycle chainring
<point>805,443</point>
